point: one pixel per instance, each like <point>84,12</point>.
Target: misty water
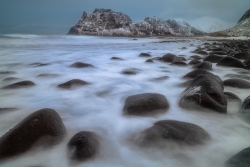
<point>97,107</point>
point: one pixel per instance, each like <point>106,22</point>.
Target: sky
<point>57,16</point>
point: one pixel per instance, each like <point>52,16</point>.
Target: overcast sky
<point>57,16</point>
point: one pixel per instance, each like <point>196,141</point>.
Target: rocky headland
<point>105,22</point>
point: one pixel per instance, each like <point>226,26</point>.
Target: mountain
<point>109,23</point>
<point>245,16</point>
<point>211,24</point>
<point>241,29</point>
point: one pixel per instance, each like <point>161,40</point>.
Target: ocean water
<point>98,107</point>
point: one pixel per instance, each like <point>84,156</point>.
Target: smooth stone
<point>145,104</point>
<point>237,83</point>
<point>83,146</point>
<point>80,65</point>
<point>41,128</point>
<point>73,83</point>
<point>21,84</point>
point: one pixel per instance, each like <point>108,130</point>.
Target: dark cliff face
<point>109,23</point>
<point>245,16</point>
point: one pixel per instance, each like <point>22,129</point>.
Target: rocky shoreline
<point>204,91</point>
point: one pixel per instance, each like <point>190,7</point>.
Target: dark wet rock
<point>73,83</point>
<point>39,64</point>
<point>232,97</point>
<point>206,91</point>
<point>247,67</point>
<point>144,55</point>
<point>149,61</point>
<point>21,84</point>
<point>247,62</point>
<point>83,146</point>
<point>202,52</point>
<point>230,62</point>
<point>47,75</point>
<point>7,72</point>
<point>196,57</point>
<point>205,65</point>
<point>145,104</point>
<point>213,58</point>
<point>116,58</point>
<point>180,58</point>
<point>195,73</point>
<point>131,71</point>
<point>242,55</point>
<point>237,83</point>
<point>194,61</point>
<point>238,76</point>
<point>10,79</point>
<point>166,131</point>
<point>245,108</point>
<point>169,58</point>
<point>160,78</point>
<point>179,63</point>
<point>41,128</point>
<point>220,49</point>
<point>80,65</point>
<point>217,53</point>
<point>241,159</point>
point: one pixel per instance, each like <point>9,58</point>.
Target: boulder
<point>169,57</point>
<point>179,63</point>
<point>144,55</point>
<point>80,65</point>
<point>230,62</point>
<point>205,65</point>
<point>206,91</point>
<point>247,62</point>
<point>232,97</point>
<point>242,55</point>
<point>131,71</point>
<point>21,84</point>
<point>42,128</point>
<point>47,75</point>
<point>72,83</point>
<point>145,104</point>
<point>241,159</point>
<point>160,78</point>
<point>116,58</point>
<point>166,131</point>
<point>246,77</point>
<point>196,57</point>
<point>149,61</point>
<point>213,58</point>
<point>217,53</point>
<point>237,83</point>
<point>245,108</point>
<point>194,61</point>
<point>195,73</point>
<point>83,146</point>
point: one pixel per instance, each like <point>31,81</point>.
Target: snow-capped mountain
<point>211,24</point>
<point>109,23</point>
<point>241,29</point>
